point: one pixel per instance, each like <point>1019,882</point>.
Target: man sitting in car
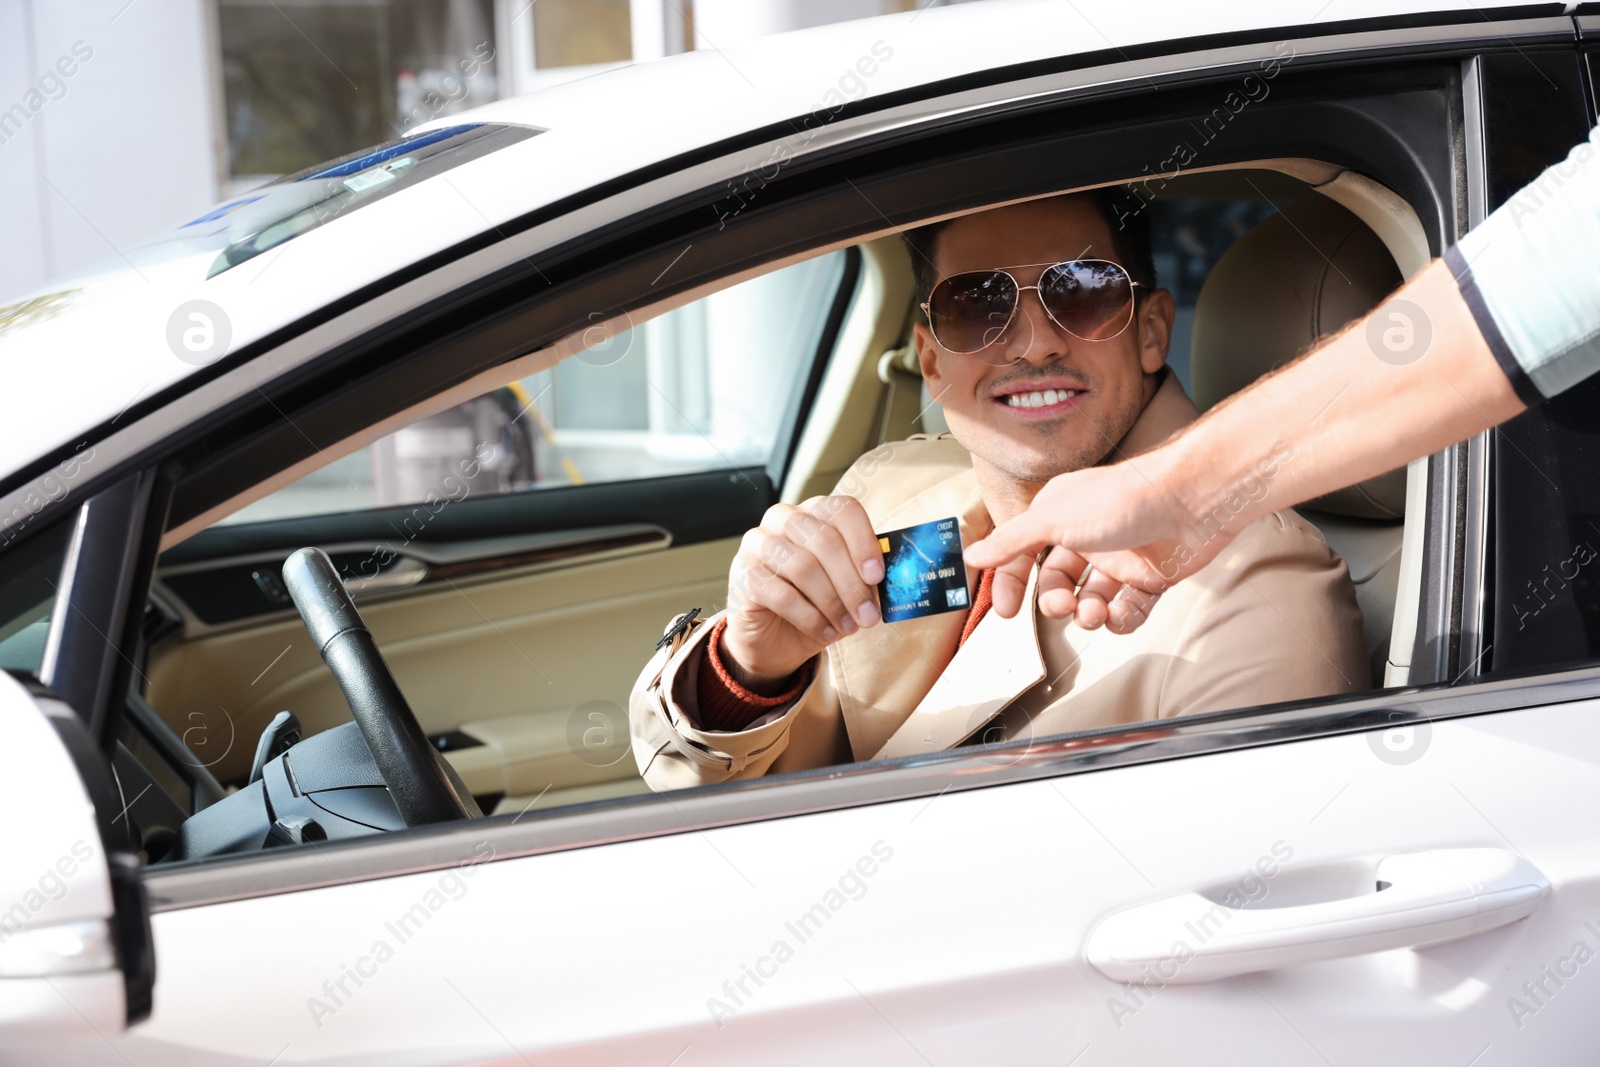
<point>1044,338</point>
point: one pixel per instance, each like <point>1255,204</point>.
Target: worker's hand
<point>803,579</point>
<point>1138,539</point>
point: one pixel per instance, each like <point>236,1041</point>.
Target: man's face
<point>1112,379</point>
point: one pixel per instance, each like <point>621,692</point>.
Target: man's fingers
<point>803,567</point>
<point>772,591</point>
<point>1067,591</point>
<point>1010,583</point>
<point>836,531</point>
<point>1020,538</point>
<point>1058,582</point>
<point>1094,599</point>
<point>1058,592</point>
<point>810,546</point>
<point>1129,609</point>
<point>846,515</point>
<point>1064,561</point>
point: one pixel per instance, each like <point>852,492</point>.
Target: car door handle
<point>1421,899</point>
<point>402,574</point>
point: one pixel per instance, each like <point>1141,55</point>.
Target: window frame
<point>319,422</point>
<point>1521,131</point>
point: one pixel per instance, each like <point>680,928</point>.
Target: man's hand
<point>802,579</point>
<point>1099,511</point>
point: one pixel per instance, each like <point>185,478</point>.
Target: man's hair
<point>1124,214</point>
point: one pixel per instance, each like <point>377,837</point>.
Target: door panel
<point>519,663</point>
<point>946,929</point>
<point>209,576</point>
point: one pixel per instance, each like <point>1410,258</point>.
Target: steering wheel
<point>422,785</point>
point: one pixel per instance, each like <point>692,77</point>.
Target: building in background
<point>120,118</point>
<point>123,118</point>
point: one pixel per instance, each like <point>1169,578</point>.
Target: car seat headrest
<point>1296,277</point>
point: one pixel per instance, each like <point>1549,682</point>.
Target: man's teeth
<point>1040,399</point>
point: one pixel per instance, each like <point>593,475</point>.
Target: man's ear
<point>928,358</point>
<point>1154,320</point>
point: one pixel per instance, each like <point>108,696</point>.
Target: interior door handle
<point>404,573</point>
<point>1421,899</point>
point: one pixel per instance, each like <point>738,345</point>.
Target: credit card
<point>922,571</point>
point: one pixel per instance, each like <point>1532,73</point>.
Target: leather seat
<point>1296,277</point>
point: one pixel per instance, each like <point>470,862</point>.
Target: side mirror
<point>76,955</point>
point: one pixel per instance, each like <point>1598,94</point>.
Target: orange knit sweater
<point>727,705</point>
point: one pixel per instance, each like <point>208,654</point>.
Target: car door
<point>1379,879</point>
<point>941,926</point>
<point>939,908</point>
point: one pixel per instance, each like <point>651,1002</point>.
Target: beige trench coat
<point>1272,618</point>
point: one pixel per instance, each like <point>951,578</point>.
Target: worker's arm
<point>1508,316</point>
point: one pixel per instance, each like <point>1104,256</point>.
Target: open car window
<point>524,680</point>
<point>535,537</point>
<point>703,387</point>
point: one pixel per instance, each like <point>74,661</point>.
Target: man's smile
<point>1039,398</point>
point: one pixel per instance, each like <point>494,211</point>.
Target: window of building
<point>302,84</point>
<point>577,33</point>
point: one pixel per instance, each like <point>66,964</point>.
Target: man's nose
<point>1033,336</point>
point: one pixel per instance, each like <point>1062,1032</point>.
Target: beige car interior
<point>537,662</point>
<point>1300,275</point>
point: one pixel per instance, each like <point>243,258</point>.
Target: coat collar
<point>999,662</point>
<point>1169,411</point>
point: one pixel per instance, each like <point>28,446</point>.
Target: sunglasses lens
<point>1091,299</point>
<point>969,312</point>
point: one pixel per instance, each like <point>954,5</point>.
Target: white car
<point>610,324</point>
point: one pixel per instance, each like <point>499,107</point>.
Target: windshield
<point>280,211</point>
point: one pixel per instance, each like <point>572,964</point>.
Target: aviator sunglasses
<point>1092,299</point>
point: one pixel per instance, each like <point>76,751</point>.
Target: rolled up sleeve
<point>1530,277</point>
<point>672,749</point>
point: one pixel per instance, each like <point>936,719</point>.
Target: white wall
<point>117,150</point>
<point>22,259</point>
